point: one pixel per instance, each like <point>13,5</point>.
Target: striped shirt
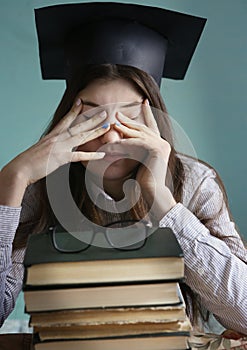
<point>215,267</point>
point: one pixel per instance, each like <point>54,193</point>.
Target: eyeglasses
<point>120,235</point>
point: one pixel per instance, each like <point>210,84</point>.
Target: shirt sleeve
<point>11,268</point>
<point>215,264</point>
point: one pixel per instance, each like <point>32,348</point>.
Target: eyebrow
<point>92,104</point>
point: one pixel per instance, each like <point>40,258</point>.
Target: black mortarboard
<point>158,41</point>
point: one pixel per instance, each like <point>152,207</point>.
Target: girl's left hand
<point>152,173</point>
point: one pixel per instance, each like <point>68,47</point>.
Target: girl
<point>105,122</point>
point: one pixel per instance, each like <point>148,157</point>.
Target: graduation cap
<point>158,41</point>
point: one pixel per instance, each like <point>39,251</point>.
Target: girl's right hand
<point>58,147</point>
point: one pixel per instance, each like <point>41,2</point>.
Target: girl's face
<point>112,97</point>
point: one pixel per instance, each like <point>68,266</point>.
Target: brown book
<point>161,258</point>
<point>102,296</point>
<point>108,316</point>
<point>164,341</point>
<point>113,330</point>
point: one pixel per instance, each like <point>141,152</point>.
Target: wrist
<point>162,204</point>
<point>12,186</point>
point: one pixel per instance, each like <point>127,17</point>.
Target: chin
<point>112,174</point>
<point>117,170</point>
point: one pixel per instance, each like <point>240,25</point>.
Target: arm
<point>41,159</point>
<point>11,273</point>
<point>12,190</point>
<point>215,268</point>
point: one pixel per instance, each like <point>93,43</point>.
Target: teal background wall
<point>210,104</point>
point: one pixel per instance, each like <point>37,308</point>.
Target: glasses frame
<point>53,231</point>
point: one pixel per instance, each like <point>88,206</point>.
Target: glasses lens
<point>72,242</point>
<point>126,235</point>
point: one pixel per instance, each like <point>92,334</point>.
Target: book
<point>161,258</point>
<point>109,315</point>
<point>102,296</point>
<point>112,330</point>
<point>163,341</point>
<point>105,298</point>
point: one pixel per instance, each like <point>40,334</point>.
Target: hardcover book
<point>161,258</point>
<point>162,313</point>
<point>159,341</point>
<point>111,330</point>
<point>101,296</point>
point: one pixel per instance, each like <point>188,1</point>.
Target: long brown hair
<point>148,88</point>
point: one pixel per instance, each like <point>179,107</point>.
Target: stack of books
<point>106,299</point>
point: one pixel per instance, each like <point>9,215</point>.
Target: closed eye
<point>132,111</point>
<point>91,113</point>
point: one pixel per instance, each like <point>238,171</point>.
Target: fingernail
<point>118,123</point>
<point>78,102</point>
<point>105,125</point>
<point>103,114</point>
<point>146,102</point>
<point>100,154</point>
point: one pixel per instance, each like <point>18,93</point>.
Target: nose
<point>111,114</point>
<point>111,136</point>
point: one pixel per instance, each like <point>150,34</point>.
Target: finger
<point>126,131</point>
<point>83,126</point>
<point>162,148</point>
<point>89,124</point>
<point>135,142</point>
<point>130,128</point>
<point>149,117</point>
<point>66,121</point>
<point>86,156</point>
<point>86,136</point>
<point>127,121</point>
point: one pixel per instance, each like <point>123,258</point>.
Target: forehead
<point>105,92</point>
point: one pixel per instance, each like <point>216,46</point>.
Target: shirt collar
<point>97,192</point>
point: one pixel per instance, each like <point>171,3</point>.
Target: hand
<point>57,147</point>
<point>152,173</point>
